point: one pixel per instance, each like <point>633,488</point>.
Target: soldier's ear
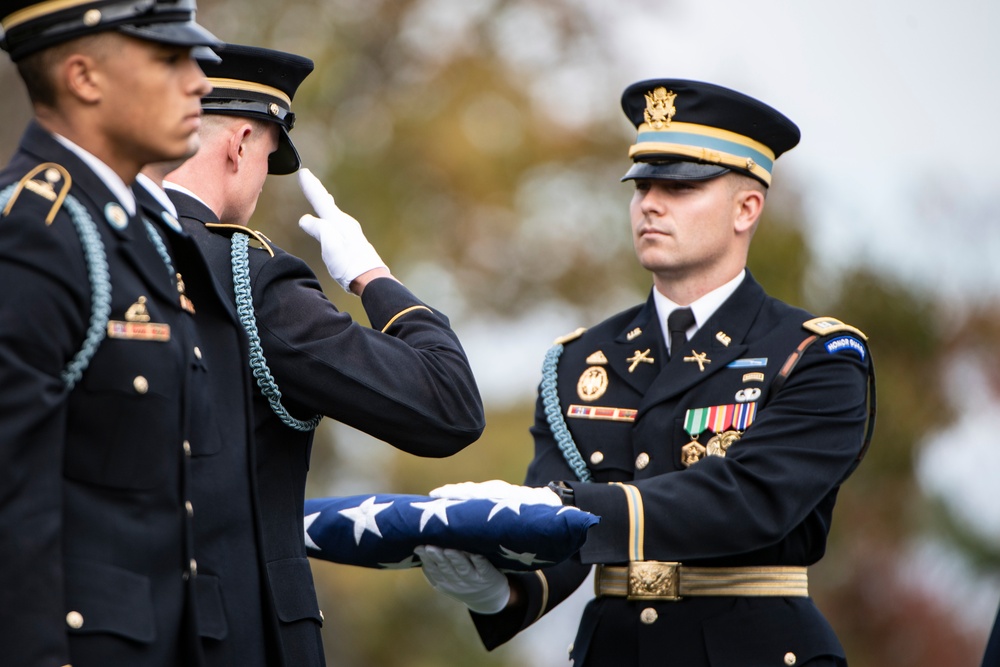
<point>237,148</point>
<point>81,78</point>
<point>749,205</point>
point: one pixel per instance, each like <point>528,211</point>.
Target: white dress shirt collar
<point>703,308</point>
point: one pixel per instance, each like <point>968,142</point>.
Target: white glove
<point>469,578</point>
<point>497,489</point>
<point>346,252</point>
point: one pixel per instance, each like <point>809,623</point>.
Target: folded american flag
<point>381,530</point>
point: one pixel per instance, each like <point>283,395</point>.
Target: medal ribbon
<point>719,418</point>
<point>745,412</point>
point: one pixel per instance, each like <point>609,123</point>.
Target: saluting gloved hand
<point>346,252</point>
<point>469,578</point>
<point>497,489</point>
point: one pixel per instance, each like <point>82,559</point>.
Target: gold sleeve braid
<point>401,313</point>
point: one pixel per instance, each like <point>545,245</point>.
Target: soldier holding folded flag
<point>709,428</point>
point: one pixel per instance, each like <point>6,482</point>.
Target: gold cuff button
<point>187,448</point>
<point>790,659</point>
<point>597,457</point>
<point>140,384</point>
<point>193,569</point>
<point>189,507</point>
<point>197,352</point>
<point>642,461</point>
<point>648,616</point>
<point>74,619</point>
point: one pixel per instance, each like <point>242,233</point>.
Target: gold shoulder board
<point>823,326</point>
<point>54,175</point>
<point>265,243</point>
<point>562,340</point>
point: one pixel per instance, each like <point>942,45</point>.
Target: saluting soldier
<point>710,428</point>
<point>406,380</point>
<point>102,383</point>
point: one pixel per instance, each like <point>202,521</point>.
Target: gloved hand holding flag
<point>517,532</point>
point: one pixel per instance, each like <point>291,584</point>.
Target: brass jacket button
<point>74,619</point>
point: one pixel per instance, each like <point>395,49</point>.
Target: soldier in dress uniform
<point>406,380</point>
<point>101,385</point>
<point>710,428</point>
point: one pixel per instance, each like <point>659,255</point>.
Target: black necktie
<point>678,323</point>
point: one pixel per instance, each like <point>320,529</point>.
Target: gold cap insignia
<point>660,108</point>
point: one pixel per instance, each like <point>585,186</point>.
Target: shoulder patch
<point>823,326</point>
<point>221,228</point>
<point>53,176</point>
<point>562,340</point>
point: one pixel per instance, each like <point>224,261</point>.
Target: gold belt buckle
<point>653,580</point>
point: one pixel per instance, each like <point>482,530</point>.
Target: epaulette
<point>46,189</point>
<point>823,326</point>
<point>573,335</point>
<point>265,243</point>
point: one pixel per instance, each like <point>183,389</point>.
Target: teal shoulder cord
<point>161,247</point>
<point>244,305</point>
<point>100,286</point>
<point>553,414</point>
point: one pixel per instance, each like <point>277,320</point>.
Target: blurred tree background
<point>480,144</point>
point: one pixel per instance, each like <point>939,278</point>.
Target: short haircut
<point>38,70</point>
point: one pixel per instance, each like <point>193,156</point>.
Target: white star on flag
<point>525,558</point>
<point>437,507</point>
<point>363,517</point>
<point>308,522</point>
<point>511,504</point>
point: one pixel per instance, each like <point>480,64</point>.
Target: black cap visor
<point>178,33</point>
<point>285,160</point>
<point>674,170</point>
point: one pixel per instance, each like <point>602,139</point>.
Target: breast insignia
<point>592,384</point>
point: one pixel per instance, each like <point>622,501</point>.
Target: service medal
<point>691,453</point>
